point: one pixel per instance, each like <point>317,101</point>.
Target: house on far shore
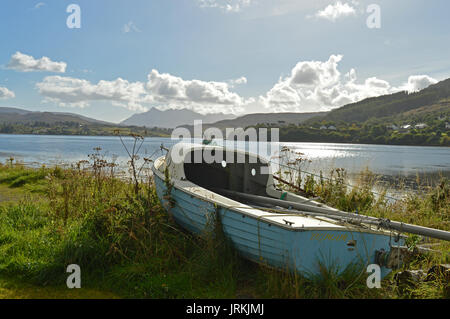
<point>421,126</point>
<point>447,125</point>
<point>392,127</point>
<point>405,128</point>
<point>331,127</point>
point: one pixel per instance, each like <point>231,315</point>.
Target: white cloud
<point>311,86</point>
<point>130,26</point>
<point>162,89</point>
<point>200,96</point>
<point>239,81</point>
<point>27,63</point>
<point>335,11</point>
<point>225,5</point>
<point>39,4</point>
<point>266,8</point>
<point>67,91</point>
<point>418,82</point>
<point>6,94</point>
<point>319,86</point>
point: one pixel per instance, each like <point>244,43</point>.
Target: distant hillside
<point>12,110</point>
<point>18,121</point>
<point>172,118</point>
<point>389,106</point>
<point>19,116</point>
<point>262,119</point>
<point>279,119</point>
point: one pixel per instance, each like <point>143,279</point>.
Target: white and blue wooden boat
<point>201,191</point>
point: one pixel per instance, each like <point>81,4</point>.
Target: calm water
<point>388,161</point>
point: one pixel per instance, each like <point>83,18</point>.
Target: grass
<point>9,195</point>
<point>20,290</point>
<point>128,247</point>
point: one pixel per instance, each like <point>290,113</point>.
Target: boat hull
<point>305,251</point>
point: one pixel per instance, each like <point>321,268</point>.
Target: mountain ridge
<point>172,118</point>
<point>253,119</point>
<point>13,115</point>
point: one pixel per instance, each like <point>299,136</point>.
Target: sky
<point>109,59</point>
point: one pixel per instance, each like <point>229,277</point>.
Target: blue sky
<point>249,56</point>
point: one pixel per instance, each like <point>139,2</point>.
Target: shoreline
<point>281,141</point>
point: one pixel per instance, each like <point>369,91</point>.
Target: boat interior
<point>239,173</point>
